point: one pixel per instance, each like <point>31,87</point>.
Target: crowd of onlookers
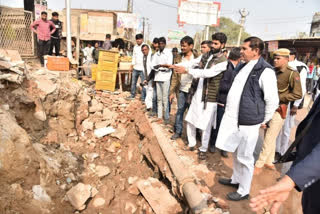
<point>225,97</point>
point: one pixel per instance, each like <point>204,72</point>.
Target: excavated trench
<point>57,153</point>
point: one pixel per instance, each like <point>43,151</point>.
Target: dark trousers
<point>182,107</point>
<point>154,99</point>
<point>43,49</point>
<point>56,44</point>
<point>135,75</point>
<point>309,84</point>
<point>310,199</point>
<point>214,132</point>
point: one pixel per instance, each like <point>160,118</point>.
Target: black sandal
<point>190,149</point>
<point>202,156</point>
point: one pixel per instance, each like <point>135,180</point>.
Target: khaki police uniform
<point>289,89</point>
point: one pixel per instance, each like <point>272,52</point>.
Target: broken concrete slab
<point>157,195</point>
<point>40,194</point>
<point>11,77</point>
<point>120,133</point>
<point>133,190</point>
<point>102,124</point>
<point>109,115</point>
<point>98,202</point>
<point>95,106</point>
<point>87,125</point>
<point>10,55</point>
<point>102,171</point>
<point>78,195</point>
<point>130,207</point>
<point>103,131</point>
<point>46,86</point>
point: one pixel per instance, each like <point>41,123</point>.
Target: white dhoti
<point>283,139</point>
<point>201,118</point>
<point>242,141</point>
<point>149,95</point>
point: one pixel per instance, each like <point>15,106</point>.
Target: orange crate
<point>58,63</point>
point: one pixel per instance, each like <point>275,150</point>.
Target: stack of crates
<point>107,70</point>
<point>94,69</point>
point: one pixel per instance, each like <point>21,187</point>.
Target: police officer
<point>304,175</point>
<point>289,89</point>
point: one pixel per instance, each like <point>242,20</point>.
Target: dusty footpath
<point>66,148</point>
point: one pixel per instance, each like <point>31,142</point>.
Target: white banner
<point>199,12</point>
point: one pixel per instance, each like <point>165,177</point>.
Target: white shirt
<point>160,58</point>
<point>87,52</point>
<point>303,78</point>
<point>186,79</point>
<point>210,72</point>
<point>137,57</point>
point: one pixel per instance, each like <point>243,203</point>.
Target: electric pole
<point>148,31</point>
<point>130,6</point>
<point>144,25</point>
<point>244,13</point>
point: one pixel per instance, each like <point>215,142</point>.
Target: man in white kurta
<point>242,139</point>
<point>203,107</point>
<point>198,116</point>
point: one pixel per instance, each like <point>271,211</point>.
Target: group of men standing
<point>228,98</point>
<point>49,33</point>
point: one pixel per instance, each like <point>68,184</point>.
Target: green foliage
<point>231,29</point>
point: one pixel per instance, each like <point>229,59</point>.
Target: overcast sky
<point>270,19</point>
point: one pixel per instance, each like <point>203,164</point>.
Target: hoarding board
<point>127,20</point>
<point>199,12</point>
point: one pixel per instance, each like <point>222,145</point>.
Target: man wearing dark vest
<point>203,94</point>
<point>251,102</point>
<point>225,85</point>
<point>289,89</point>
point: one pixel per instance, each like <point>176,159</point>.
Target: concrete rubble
<point>79,194</point>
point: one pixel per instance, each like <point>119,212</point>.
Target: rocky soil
<point>66,148</point>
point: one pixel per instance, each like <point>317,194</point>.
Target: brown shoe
<point>257,170</point>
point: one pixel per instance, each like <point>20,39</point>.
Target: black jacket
<point>58,33</point>
<point>305,171</point>
<point>226,83</point>
<point>252,104</point>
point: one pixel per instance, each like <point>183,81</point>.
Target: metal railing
<point>15,32</point>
